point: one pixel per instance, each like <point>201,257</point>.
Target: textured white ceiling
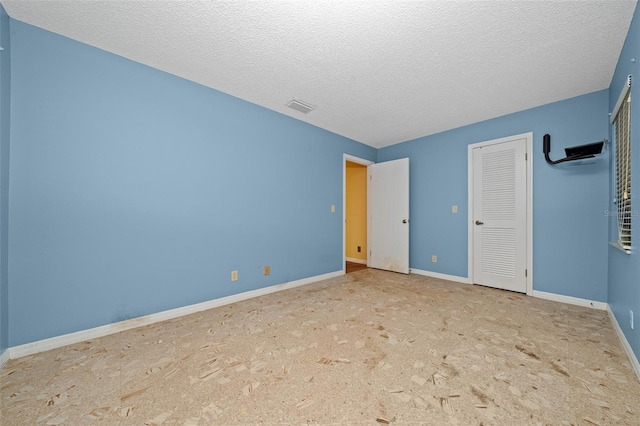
<point>380,72</point>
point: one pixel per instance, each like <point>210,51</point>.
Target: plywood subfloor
<point>370,347</point>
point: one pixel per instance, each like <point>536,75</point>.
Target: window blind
<point>621,122</point>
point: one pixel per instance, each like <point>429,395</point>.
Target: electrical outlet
<point>267,269</point>
<point>234,275</point>
<point>359,249</point>
<point>434,258</point>
<point>454,209</point>
<point>631,318</point>
<point>333,209</point>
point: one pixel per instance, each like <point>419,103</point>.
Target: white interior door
<point>500,215</point>
<point>388,197</point>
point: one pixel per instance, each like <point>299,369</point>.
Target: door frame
<point>352,159</point>
<point>529,171</point>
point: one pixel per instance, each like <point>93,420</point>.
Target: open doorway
<point>355,216</point>
<point>355,213</point>
<point>376,214</point>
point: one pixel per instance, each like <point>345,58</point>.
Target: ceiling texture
<point>379,72</point>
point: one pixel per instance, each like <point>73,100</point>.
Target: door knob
<point>405,221</point>
<point>479,223</point>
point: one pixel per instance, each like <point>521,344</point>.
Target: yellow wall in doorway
<point>356,206</point>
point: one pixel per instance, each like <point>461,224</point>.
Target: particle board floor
<point>366,348</point>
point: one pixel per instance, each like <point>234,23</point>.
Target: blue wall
<point>5,105</point>
<point>624,269</point>
<point>134,191</point>
<point>569,226</point>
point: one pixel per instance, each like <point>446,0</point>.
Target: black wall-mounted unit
<point>573,153</point>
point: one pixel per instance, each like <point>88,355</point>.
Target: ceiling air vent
<point>301,106</point>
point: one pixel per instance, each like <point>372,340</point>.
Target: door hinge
<point>525,156</point>
<point>525,272</point>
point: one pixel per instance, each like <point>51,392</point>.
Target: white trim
<point>529,212</point>
<point>4,358</point>
<point>470,212</point>
<point>623,94</point>
<point>438,275</point>
<point>570,300</point>
<point>529,170</point>
<point>633,360</point>
<point>357,160</point>
<point>93,333</point>
<point>354,260</point>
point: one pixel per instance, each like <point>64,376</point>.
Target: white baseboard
<point>4,357</point>
<point>93,333</point>
<point>635,365</point>
<point>455,278</point>
<point>569,300</point>
<point>355,260</point>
